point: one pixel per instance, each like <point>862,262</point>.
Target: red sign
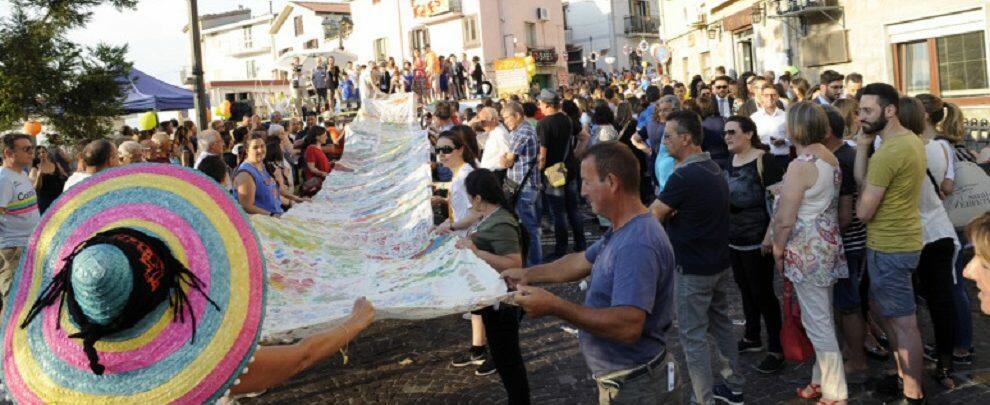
<point>544,57</point>
<point>429,8</point>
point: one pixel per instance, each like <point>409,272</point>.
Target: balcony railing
<point>642,25</point>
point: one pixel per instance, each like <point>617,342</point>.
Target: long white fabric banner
<point>367,233</point>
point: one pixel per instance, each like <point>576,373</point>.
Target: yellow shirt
<point>899,166</point>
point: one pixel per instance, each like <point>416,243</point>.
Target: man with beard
<point>830,88</point>
<point>890,185</point>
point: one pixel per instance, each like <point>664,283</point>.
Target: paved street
<point>405,362</point>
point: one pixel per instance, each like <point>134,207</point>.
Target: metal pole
<point>201,103</point>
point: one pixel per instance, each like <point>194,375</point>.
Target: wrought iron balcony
<point>642,25</point>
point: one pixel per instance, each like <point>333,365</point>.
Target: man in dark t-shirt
<point>333,82</point>
<point>554,132</point>
<point>846,291</point>
<point>699,232</point>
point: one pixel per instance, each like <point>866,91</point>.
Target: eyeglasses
<point>444,150</point>
<point>730,132</point>
<point>721,87</point>
<point>668,135</point>
<point>27,149</point>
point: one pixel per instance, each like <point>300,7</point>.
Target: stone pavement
<point>408,362</point>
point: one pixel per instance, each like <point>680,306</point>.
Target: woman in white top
<point>454,152</point>
<point>936,275</point>
<point>807,244</point>
<point>604,121</point>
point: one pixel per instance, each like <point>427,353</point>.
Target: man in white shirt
<point>19,213</point>
<point>209,143</point>
<point>722,98</point>
<point>497,143</point>
<point>98,155</point>
<point>771,124</point>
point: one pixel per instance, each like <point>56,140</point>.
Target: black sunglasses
<point>445,150</point>
<point>730,132</point>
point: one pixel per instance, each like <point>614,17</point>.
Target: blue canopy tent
<point>146,93</point>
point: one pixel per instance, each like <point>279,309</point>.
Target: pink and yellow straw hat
<point>143,284</point>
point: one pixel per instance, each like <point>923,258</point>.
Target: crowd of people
<point>430,76</point>
<point>837,190</point>
<point>700,189</point>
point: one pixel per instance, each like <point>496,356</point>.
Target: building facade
<point>608,28</point>
<point>912,45</point>
<point>488,29</point>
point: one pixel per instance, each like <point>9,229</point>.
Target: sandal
<point>944,376</point>
<point>877,353</point>
<point>816,391</point>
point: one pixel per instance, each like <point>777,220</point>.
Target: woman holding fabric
<point>317,164</point>
<point>807,245</point>
<point>257,191</point>
<point>148,292</point>
<point>495,238</point>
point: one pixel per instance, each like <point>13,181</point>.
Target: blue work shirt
<point>632,266</point>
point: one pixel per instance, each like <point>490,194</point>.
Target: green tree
<point>43,74</point>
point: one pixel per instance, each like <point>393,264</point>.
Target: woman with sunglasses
<point>749,173</point>
<point>454,153</point>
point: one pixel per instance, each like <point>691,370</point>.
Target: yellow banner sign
<point>511,76</point>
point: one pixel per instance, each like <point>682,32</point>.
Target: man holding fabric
<point>628,308</point>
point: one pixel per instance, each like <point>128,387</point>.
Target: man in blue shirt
<point>699,194</point>
<point>628,308</point>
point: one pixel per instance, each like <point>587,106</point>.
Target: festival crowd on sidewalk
<point>700,188</point>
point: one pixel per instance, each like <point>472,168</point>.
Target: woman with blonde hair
<point>807,246</point>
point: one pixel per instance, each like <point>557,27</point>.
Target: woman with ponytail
<point>944,123</point>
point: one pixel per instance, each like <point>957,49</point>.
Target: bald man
<point>498,139</point>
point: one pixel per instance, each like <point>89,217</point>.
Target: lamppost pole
<point>201,103</point>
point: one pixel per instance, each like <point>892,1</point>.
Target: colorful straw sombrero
<point>143,284</point>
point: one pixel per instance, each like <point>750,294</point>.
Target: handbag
<point>793,338</point>
<point>556,173</point>
<point>511,189</point>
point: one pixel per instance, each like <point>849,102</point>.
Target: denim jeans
<point>564,210</point>
<point>527,208</point>
<point>960,297</point>
<point>890,281</point>
<point>702,309</point>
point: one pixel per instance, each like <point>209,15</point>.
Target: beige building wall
<point>873,28</point>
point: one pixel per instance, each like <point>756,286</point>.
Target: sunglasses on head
<point>444,150</point>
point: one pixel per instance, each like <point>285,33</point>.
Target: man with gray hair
<point>522,160</point>
<point>131,152</point>
<point>209,143</point>
<point>497,143</point>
